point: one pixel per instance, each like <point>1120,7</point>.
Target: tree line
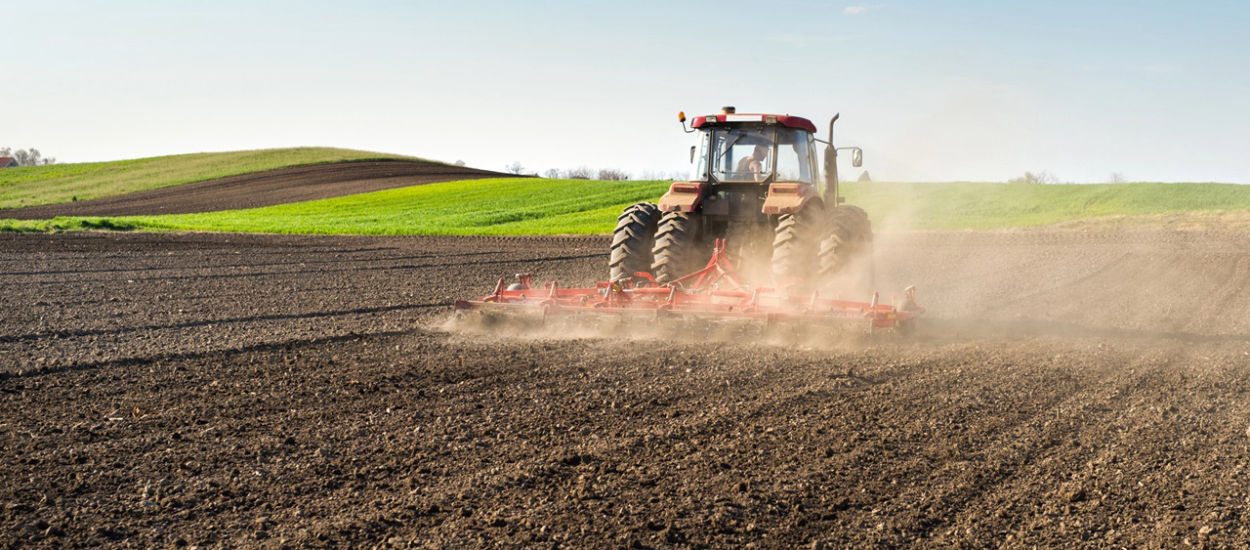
<point>27,157</point>
<point>1046,177</point>
<point>588,173</point>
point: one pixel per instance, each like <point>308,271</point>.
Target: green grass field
<point>529,206</point>
<point>58,183</point>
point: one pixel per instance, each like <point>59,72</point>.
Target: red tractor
<point>755,182</point>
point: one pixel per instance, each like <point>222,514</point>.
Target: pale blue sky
<point>974,90</point>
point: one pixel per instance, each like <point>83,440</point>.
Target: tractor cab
<point>754,148</point>
<point>764,162</point>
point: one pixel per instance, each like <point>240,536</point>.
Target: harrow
<point>714,292</point>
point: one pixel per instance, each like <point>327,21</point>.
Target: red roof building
<point>7,162</point>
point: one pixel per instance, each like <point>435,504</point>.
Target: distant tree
<point>27,157</point>
<point>1039,178</point>
<point>611,174</point>
<point>579,173</point>
<point>671,175</point>
<point>552,173</point>
<point>515,167</point>
<point>1116,177</point>
<point>459,163</point>
<point>864,176</point>
<point>6,152</point>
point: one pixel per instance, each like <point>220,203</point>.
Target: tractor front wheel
<point>677,250</point>
<point>849,237</point>
<point>633,240</point>
<point>795,245</point>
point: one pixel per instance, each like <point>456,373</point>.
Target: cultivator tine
<point>872,312</point>
<point>498,294</point>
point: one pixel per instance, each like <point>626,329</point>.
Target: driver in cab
<point>754,164</point>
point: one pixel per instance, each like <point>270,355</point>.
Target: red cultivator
<point>713,292</point>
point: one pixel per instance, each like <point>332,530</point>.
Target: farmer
<point>754,164</point>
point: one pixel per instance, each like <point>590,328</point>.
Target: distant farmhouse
<point>7,162</point>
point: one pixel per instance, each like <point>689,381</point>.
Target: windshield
<point>742,153</point>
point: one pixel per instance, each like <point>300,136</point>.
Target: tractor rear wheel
<point>677,251</point>
<point>633,240</point>
<point>795,244</point>
<point>849,237</point>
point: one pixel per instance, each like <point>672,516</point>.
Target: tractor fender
<point>683,196</point>
<point>788,198</point>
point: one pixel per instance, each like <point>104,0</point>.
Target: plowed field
<point>267,188</point>
<point>1069,390</point>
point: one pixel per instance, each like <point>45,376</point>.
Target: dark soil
<point>284,185</point>
<point>1069,390</point>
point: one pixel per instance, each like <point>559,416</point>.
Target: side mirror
<point>857,157</point>
<point>692,154</point>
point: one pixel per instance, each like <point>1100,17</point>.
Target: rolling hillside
<point>60,183</point>
<point>340,191</point>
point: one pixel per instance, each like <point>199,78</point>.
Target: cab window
<point>794,150</point>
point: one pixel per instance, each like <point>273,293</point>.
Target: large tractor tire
<point>677,251</point>
<point>849,238</point>
<point>633,240</point>
<point>795,245</point>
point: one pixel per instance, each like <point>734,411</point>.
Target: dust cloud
<point>496,326</point>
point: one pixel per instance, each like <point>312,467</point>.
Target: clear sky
<point>933,91</point>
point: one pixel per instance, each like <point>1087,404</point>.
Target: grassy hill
<point>530,206</point>
<point>58,183</point>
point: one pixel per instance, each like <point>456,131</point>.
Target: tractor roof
<point>784,120</point>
